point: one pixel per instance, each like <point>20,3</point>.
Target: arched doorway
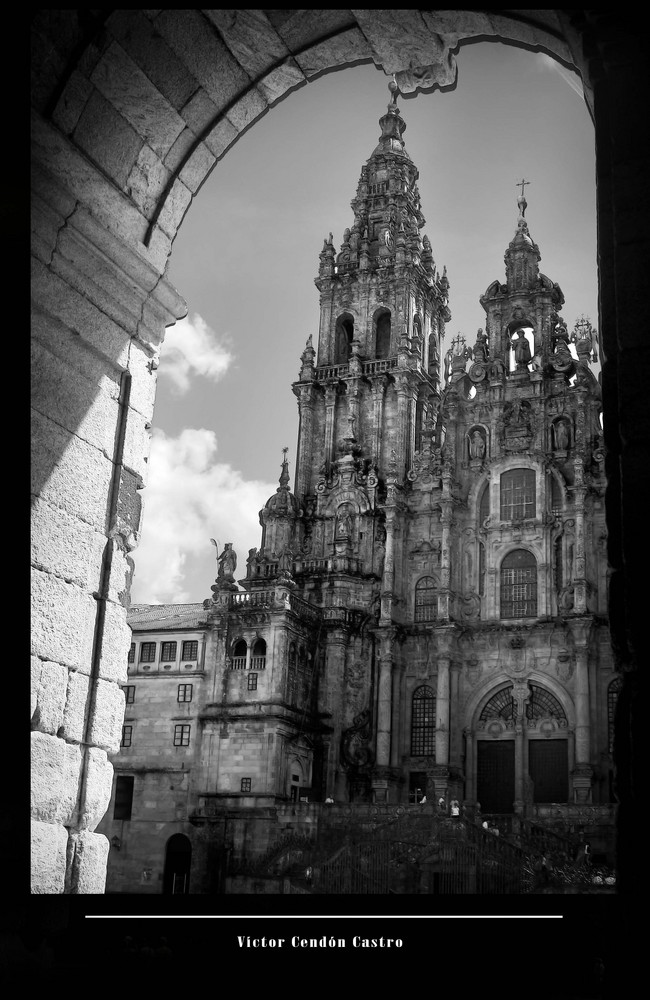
<point>178,861</point>
<point>521,756</point>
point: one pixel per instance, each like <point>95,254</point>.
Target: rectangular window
<point>518,495</point>
<point>127,734</point>
<point>129,693</point>
<point>184,692</point>
<point>168,651</point>
<point>123,797</point>
<point>190,650</point>
<point>132,653</point>
<point>519,592</point>
<point>252,682</point>
<point>182,736</point>
<point>147,652</point>
<point>245,784</point>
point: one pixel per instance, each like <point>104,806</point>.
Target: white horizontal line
<point>319,916</point>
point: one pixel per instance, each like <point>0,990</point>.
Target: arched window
<point>613,692</point>
<point>258,655</point>
<point>500,706</point>
<point>426,600</point>
<point>423,722</point>
<point>344,338</point>
<point>484,505</point>
<point>517,494</point>
<point>382,337</point>
<point>239,655</point>
<point>543,705</point>
<point>519,585</point>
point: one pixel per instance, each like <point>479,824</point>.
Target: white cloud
<point>192,348</point>
<point>189,499</point>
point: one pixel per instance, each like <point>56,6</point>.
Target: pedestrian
<point>454,807</point>
<point>441,803</point>
<point>308,874</point>
<point>587,854</point>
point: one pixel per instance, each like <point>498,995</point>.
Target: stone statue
<point>227,564</point>
<point>521,348</point>
<point>561,435</point>
<point>477,445</point>
<point>480,350</point>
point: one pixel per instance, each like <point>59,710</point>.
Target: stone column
<point>579,568</point>
<point>520,694</point>
<point>389,568</point>
<point>444,599</point>
<point>442,714</point>
<point>378,392</point>
<point>305,394</point>
<point>383,775</point>
<point>331,391</point>
<point>582,772</point>
<point>401,426</point>
<point>470,777</point>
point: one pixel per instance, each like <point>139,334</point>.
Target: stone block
<point>251,106</point>
<point>48,691</point>
<point>143,380</point>
<point>204,54</point>
<point>298,28</point>
<point>115,647</point>
<point>108,715</point>
<point>250,37</point>
<point>74,712</point>
<point>137,99</point>
<point>197,167</point>
<point>63,545</point>
<point>87,859</point>
<point>349,47</point>
<point>63,616</point>
<point>98,788</point>
<point>148,180</point>
<point>108,138</point>
<point>221,137</point>
<point>181,148</point>
<point>86,407</point>
<point>72,102</point>
<point>176,205</point>
<point>48,858</point>
<point>70,321</point>
<point>134,33</point>
<point>69,473</point>
<point>55,772</point>
<point>280,81</point>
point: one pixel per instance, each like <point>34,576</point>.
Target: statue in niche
<point>477,445</point>
<point>561,430</point>
<point>521,347</point>
<point>344,525</point>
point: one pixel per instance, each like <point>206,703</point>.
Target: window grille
<point>517,494</point>
<point>132,653</point>
<point>168,651</point>
<point>426,600</point>
<point>245,784</point>
<point>184,692</point>
<point>190,649</point>
<point>502,706</point>
<point>542,705</point>
<point>519,585</point>
<point>252,682</point>
<point>182,736</point>
<point>147,652</point>
<point>127,734</point>
<point>129,693</point>
<point>423,722</point>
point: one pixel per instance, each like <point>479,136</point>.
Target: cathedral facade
<point>425,617</point>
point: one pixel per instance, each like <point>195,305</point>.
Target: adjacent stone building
<point>426,615</point>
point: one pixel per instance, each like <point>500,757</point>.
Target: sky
<point>246,257</point>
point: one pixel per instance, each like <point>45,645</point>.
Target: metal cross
<point>523,183</point>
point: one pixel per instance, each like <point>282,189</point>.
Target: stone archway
<point>131,109</point>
